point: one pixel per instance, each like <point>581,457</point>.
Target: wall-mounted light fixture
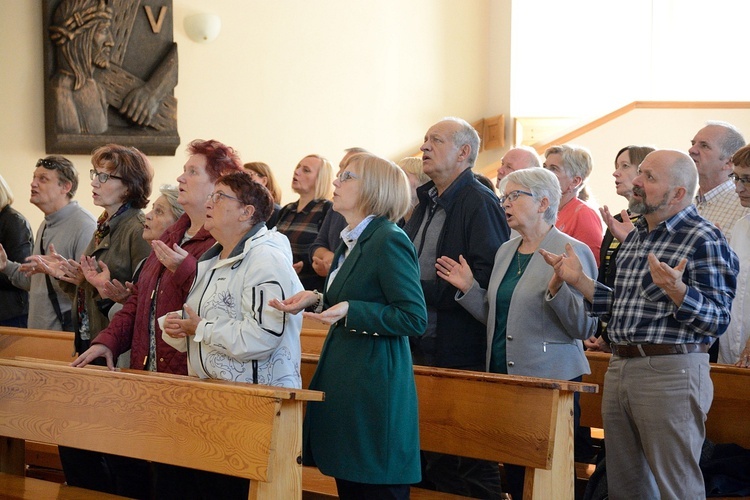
<point>202,28</point>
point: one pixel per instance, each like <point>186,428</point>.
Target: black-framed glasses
<point>346,175</point>
<point>102,177</point>
<point>513,196</point>
<point>736,178</point>
<point>215,197</point>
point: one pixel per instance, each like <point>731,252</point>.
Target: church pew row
<point>502,418</point>
<point>242,430</point>
<point>461,412</point>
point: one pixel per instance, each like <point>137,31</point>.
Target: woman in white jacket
<point>227,327</point>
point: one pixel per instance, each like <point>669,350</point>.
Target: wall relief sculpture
<point>110,70</point>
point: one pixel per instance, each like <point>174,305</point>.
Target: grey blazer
<point>543,334</point>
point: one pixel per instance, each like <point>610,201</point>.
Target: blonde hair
<point>384,189</point>
<point>6,195</point>
<point>324,181</point>
<point>413,165</point>
<point>263,170</point>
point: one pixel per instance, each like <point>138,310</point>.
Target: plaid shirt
<point>722,207</point>
<point>301,228</point>
<point>638,311</point>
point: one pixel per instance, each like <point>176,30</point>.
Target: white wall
<point>585,58</point>
<point>284,79</point>
<point>662,129</point>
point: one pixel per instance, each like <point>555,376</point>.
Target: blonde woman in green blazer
<point>366,432</point>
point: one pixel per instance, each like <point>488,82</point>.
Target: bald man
<point>676,278</point>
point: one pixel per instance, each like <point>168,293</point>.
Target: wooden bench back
<point>727,419</point>
<point>484,415</point>
<point>237,429</point>
<point>41,344</point>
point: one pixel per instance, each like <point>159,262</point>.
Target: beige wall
<point>288,78</point>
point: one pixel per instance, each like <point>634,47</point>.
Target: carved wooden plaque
<point>110,68</point>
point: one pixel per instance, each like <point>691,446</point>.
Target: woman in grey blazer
<point>535,323</point>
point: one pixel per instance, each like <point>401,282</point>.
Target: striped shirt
<point>638,311</point>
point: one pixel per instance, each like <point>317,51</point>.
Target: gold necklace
<point>518,261</point>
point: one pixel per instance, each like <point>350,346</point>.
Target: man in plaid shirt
<point>676,278</point>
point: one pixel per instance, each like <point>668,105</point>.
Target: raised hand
<point>117,291</point>
<point>457,274</point>
<point>330,315</point>
<point>568,268</point>
<point>619,230</point>
<point>171,258</point>
<point>296,303</point>
<point>668,278</point>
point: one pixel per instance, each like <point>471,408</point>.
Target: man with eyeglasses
<point>67,226</point>
<point>734,348</point>
<point>711,150</point>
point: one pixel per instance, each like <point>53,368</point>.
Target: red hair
<point>220,158</point>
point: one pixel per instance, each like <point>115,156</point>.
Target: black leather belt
<point>642,350</point>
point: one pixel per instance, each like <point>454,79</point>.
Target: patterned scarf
<point>102,223</point>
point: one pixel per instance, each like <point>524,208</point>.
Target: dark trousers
<point>461,476</point>
<point>349,490</point>
<point>180,483</point>
<point>123,476</point>
<point>18,321</point>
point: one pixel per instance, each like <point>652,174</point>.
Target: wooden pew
<point>41,344</point>
<point>503,418</point>
<point>727,419</point>
<point>243,430</point>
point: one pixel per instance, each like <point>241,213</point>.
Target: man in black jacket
<point>456,215</point>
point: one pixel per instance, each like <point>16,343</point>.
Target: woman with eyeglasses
<point>227,327</point>
<point>121,184</point>
<point>15,245</point>
<point>261,173</point>
<point>300,221</point>
<point>535,323</point>
<point>366,432</point>
<point>163,284</point>
<point>169,271</point>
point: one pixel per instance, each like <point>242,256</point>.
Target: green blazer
<point>367,429</point>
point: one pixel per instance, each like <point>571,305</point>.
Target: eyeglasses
<point>102,177</point>
<point>346,175</point>
<point>48,164</point>
<point>736,178</point>
<point>215,197</point>
<point>513,196</point>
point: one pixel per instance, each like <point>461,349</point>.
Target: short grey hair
<point>576,160</point>
<point>171,193</point>
<point>542,184</point>
<point>466,134</point>
<point>732,141</point>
